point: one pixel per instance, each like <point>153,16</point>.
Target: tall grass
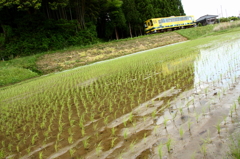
<point>226,25</point>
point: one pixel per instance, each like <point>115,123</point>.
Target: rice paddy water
<point>123,108</point>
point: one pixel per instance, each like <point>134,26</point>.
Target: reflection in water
<point>218,64</point>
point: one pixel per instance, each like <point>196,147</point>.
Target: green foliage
<point>34,26</point>
<point>49,35</point>
<point>228,19</point>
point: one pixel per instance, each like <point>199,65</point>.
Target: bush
<point>46,35</point>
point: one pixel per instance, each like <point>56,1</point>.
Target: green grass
<point>194,33</point>
<point>18,69</point>
<point>9,75</point>
<point>209,30</point>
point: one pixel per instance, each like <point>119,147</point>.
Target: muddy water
<point>199,98</point>
<point>198,111</point>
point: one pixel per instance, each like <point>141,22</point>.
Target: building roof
<point>206,17</point>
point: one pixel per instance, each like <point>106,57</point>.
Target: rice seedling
<point>125,122</point>
<point>40,155</point>
<point>231,112</point>
<point>197,116</point>
<point>225,120</point>
<point>165,120</point>
<point>235,107</point>
<point>189,124</point>
<point>193,155</point>
<point>70,139</point>
<point>208,139</point>
<point>132,145</point>
<point>174,115</point>
<point>155,129</point>
<point>181,132</point>
<point>234,146</point>
<point>125,134</point>
<point>168,144</point>
<point>181,111</point>
<point>203,149</point>
<point>145,138</point>
<point>209,107</point>
<point>203,111</point>
<point>130,117</point>
<point>99,148</point>
<point>160,152</point>
<point>85,143</point>
<point>113,142</point>
<point>83,131</point>
<point>113,130</point>
<point>56,146</point>
<point>218,127</point>
<point>72,151</point>
<point>154,114</point>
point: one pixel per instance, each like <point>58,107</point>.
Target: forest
<point>33,26</point>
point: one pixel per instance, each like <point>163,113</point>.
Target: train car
<point>155,25</point>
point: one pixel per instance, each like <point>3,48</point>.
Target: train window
<point>151,23</point>
<point>145,25</point>
<point>159,21</point>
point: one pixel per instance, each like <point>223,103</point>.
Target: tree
<point>131,14</point>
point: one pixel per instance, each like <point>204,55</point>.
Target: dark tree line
<point>32,26</point>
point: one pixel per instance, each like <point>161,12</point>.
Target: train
<point>156,25</point>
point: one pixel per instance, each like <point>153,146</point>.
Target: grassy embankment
<point>19,69</point>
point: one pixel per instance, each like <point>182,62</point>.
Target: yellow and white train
<point>155,25</point>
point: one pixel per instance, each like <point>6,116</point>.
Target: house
<point>207,19</point>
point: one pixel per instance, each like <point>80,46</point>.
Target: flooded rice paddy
<point>153,106</point>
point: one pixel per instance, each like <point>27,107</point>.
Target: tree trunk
<point>80,12</point>
<point>130,29</point>
<point>140,31</point>
<point>116,33</point>
<point>6,30</point>
<point>70,10</point>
